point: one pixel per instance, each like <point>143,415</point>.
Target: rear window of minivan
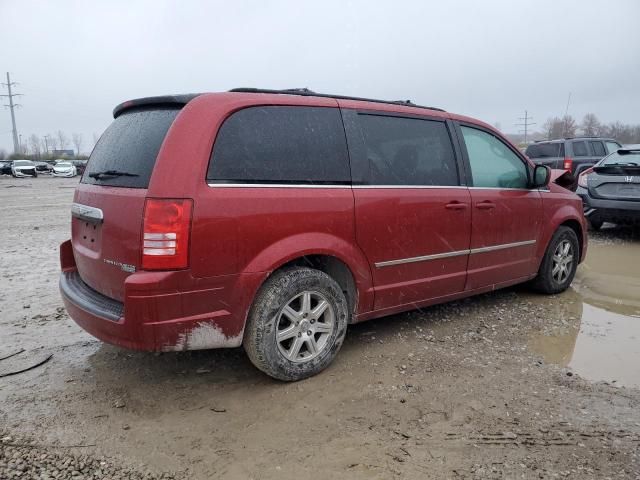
<point>130,145</point>
<point>281,144</point>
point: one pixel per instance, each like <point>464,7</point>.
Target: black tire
<point>266,316</point>
<point>595,224</point>
<point>547,280</point>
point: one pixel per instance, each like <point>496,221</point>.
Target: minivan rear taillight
<point>165,233</point>
<point>567,164</point>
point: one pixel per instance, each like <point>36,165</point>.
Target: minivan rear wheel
<point>560,262</point>
<point>296,324</point>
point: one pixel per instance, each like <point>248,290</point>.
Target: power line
<point>526,124</point>
<point>12,106</point>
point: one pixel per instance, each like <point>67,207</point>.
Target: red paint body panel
<point>239,235</point>
<point>503,216</point>
<point>112,240</point>
<point>401,223</point>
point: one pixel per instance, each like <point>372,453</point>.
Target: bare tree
<point>569,126</point>
<point>553,128</point>
<point>3,154</point>
<point>34,143</point>
<point>63,140</point>
<point>590,125</point>
<point>77,141</point>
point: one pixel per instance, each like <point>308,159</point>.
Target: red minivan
<point>273,219</point>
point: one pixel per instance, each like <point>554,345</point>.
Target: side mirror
<point>541,176</point>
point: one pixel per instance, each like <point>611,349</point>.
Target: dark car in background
<point>80,165</point>
<point>572,154</point>
<point>610,190</point>
<point>5,168</point>
<point>43,167</point>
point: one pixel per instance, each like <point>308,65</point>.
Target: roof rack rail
<point>305,92</point>
<point>582,136</point>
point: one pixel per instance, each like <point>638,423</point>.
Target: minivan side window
<point>408,151</point>
<point>580,149</point>
<point>281,144</point>
<point>493,164</point>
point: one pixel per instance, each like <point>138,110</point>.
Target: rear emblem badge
<point>125,267</point>
<point>628,179</point>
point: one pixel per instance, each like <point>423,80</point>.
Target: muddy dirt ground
<point>507,385</point>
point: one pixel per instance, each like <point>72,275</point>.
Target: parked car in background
<point>80,165</point>
<point>610,190</point>
<point>43,167</point>
<point>572,154</point>
<point>310,212</point>
<point>5,167</point>
<point>64,169</point>
<point>23,168</point>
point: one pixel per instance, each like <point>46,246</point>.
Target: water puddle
<point>599,337</point>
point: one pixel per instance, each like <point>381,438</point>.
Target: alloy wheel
<point>304,326</point>
<point>562,261</point>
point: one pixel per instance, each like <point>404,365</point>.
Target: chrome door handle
<point>455,206</point>
<point>485,205</point>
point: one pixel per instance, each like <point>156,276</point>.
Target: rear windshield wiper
<point>112,173</point>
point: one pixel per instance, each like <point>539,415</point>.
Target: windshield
<point>627,158</point>
<point>23,163</point>
<point>63,164</point>
<point>544,150</point>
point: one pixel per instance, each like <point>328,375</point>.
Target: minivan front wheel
<point>560,262</point>
<point>296,324</point>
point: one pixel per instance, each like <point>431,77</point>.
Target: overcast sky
<point>75,60</point>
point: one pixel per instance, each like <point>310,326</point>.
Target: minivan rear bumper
<point>161,311</point>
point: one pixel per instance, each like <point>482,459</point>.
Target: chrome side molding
<point>501,247</point>
<point>87,213</point>
<point>456,253</point>
<point>424,258</point>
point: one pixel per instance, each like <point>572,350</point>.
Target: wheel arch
<point>574,225</point>
<point>566,217</point>
<point>340,259</point>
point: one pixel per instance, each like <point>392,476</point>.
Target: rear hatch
<point>109,202</point>
<point>617,176</point>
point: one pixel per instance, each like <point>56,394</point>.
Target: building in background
<point>63,153</point>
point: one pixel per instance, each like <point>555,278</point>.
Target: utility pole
<point>12,106</point>
<point>526,124</point>
<point>46,143</point>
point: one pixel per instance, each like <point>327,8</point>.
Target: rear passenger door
<point>412,214</point>
<point>506,214</point>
